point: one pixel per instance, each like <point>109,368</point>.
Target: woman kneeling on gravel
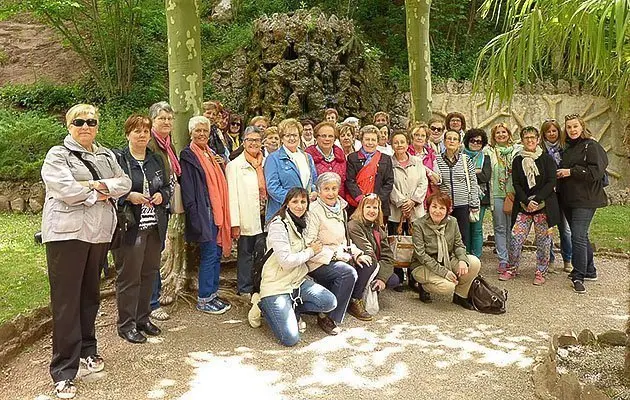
<point>285,291</point>
<point>440,264</point>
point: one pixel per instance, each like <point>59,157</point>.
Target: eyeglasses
<point>437,128</point>
<point>251,140</point>
<point>79,122</point>
<point>291,135</point>
<point>476,141</point>
<point>571,116</point>
<point>235,123</point>
<point>530,137</point>
<point>168,119</point>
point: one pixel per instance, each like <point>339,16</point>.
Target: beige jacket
<point>330,228</point>
<point>410,182</point>
<point>285,270</point>
<point>71,211</point>
<point>244,196</point>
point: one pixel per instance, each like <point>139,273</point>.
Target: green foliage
<point>24,284</point>
<point>4,58</point>
<point>43,96</point>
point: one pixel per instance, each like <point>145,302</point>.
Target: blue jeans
<point>338,277</point>
<point>209,269</point>
<point>582,251</point>
<point>475,235</point>
<point>282,316</point>
<point>157,290</point>
<point>502,224</point>
<point>565,240</point>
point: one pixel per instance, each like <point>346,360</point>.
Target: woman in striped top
<point>459,181</point>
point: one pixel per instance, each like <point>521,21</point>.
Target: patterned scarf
<point>503,155</point>
<point>217,194</point>
<point>555,151</point>
<point>165,145</point>
<point>529,165</point>
<point>476,157</point>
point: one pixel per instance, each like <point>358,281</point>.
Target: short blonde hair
<point>328,124</point>
<point>272,130</point>
<point>368,129</point>
<point>381,114</point>
<point>80,109</point>
<point>371,198</point>
<point>344,128</point>
<point>285,124</point>
<point>259,118</point>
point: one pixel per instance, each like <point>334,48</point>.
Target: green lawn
<point>24,284</point>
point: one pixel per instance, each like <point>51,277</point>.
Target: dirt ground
<point>411,351</point>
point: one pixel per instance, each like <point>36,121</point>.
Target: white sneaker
<point>159,314</point>
<point>301,326</point>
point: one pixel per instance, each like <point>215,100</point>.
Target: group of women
<point>326,197</point>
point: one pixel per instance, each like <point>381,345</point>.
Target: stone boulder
<point>613,337</point>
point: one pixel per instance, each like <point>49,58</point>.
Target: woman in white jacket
<point>285,290</point>
<point>247,192</point>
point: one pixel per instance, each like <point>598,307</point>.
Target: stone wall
<point>21,197</point>
<point>531,106</point>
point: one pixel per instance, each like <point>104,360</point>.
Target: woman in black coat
<point>535,202</point>
<point>144,239</point>
<point>365,176</point>
<point>581,180</point>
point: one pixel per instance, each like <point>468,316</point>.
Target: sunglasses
<point>571,116</point>
<point>236,123</point>
<point>476,141</point>
<point>371,196</point>
<point>79,122</point>
<point>437,129</point>
<point>550,120</point>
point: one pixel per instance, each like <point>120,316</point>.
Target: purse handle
<point>399,229</point>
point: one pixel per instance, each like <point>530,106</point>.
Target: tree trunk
<point>419,54</point>
<point>185,96</point>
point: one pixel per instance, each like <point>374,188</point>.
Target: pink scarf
<point>165,144</point>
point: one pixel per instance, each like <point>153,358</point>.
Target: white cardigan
<point>409,183</point>
<point>244,196</point>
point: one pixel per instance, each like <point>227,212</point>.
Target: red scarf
<point>218,195</point>
<point>366,179</point>
<point>165,145</point>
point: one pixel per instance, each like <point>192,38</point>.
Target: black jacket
<point>584,188</point>
<point>543,190</point>
<point>483,179</point>
<point>158,180</point>
<point>384,181</point>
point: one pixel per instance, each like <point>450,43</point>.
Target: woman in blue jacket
<point>288,167</point>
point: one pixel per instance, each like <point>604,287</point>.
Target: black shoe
<point>424,296</point>
<point>399,289</point>
<point>133,336</point>
<point>462,302</point>
<point>578,287</point>
<point>149,328</point>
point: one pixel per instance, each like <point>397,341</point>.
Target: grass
<point>24,283</point>
<point>609,229</point>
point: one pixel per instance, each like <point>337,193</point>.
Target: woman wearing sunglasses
<point>234,132</point>
<point>83,181</point>
<point>474,142</point>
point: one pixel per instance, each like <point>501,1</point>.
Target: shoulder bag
<point>402,246</point>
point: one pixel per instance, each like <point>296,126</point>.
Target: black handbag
<point>487,298</point>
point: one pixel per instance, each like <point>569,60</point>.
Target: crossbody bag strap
<point>465,162</point>
<point>92,170</point>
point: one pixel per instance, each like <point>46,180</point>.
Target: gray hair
<point>158,107</point>
<point>196,120</point>
<point>327,177</point>
<point>351,120</point>
<point>252,129</point>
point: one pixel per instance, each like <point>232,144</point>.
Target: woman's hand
<point>316,246</point>
<point>563,173</point>
<point>364,260</point>
<point>462,269</point>
<point>435,178</point>
<point>408,206</point>
<point>378,285</point>
<point>219,159</point>
<point>313,196</point>
<point>451,276</point>
<point>156,199</point>
<point>137,198</point>
<point>532,206</point>
<point>236,232</point>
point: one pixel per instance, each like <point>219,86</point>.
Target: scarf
<point>257,164</point>
<point>476,157</point>
<point>443,257</point>
<point>503,155</point>
<point>554,151</point>
<point>218,195</point>
<point>529,165</point>
<point>300,222</point>
<point>165,145</point>
<point>368,156</point>
<point>335,209</point>
<point>328,158</point>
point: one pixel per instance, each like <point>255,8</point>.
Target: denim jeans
<point>282,316</point>
<point>475,235</point>
<point>502,224</point>
<point>565,240</point>
<point>209,269</point>
<point>338,277</point>
<point>157,290</point>
<point>582,251</point>
<point>244,262</point>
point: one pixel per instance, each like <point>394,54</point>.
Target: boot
<point>462,302</point>
<point>356,308</point>
<point>424,296</point>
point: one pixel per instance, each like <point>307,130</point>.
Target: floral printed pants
<point>520,231</point>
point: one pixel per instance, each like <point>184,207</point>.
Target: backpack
<point>487,298</point>
<point>260,255</point>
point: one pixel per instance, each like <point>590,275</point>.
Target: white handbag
<point>370,297</point>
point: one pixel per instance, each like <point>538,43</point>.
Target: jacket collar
<point>412,161</point>
<point>73,145</point>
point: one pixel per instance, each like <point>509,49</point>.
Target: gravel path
<point>411,351</point>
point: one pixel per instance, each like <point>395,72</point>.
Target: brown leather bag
<point>508,205</point>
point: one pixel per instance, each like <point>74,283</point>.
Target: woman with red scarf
<point>205,198</point>
<point>368,171</point>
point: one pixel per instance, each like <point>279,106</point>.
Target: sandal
<point>159,314</point>
<point>65,389</point>
<point>94,363</point>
